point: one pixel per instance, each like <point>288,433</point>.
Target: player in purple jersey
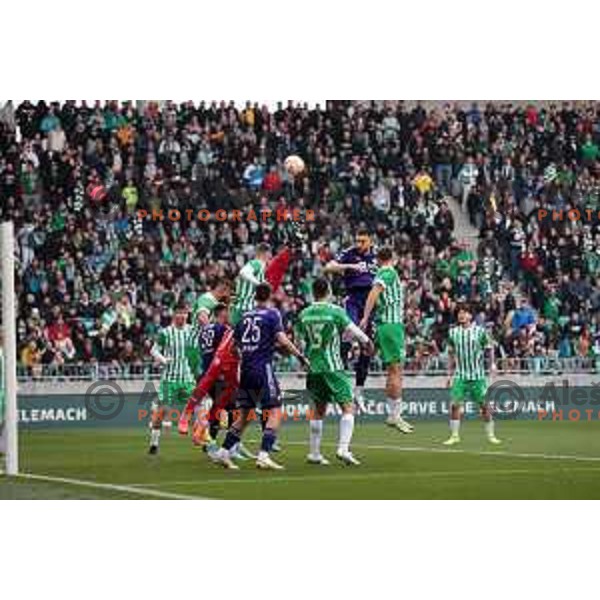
<point>212,334</point>
<point>210,337</point>
<point>357,265</point>
<point>257,336</point>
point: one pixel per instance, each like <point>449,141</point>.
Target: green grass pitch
<point>537,460</point>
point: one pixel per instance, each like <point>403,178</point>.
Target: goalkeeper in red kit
<point>223,373</point>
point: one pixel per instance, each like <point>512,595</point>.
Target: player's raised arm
<point>355,332</point>
<point>247,274</point>
<point>372,298</point>
<point>284,341</point>
<point>337,268</point>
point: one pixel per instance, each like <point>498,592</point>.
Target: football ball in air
<point>294,165</point>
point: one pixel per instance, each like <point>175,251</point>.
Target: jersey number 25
<point>251,333</point>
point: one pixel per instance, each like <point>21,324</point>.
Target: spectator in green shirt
<point>551,308</point>
<point>589,150</point>
<point>131,196</point>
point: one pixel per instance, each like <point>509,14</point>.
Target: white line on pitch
<point>461,451</point>
<point>140,491</point>
<point>335,475</point>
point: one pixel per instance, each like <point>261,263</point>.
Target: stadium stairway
<point>463,230</point>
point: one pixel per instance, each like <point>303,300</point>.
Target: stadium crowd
<point>96,282</point>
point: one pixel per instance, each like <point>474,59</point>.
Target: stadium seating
<point>455,188</point>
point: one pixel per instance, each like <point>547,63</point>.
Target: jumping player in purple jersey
<point>357,265</point>
<point>211,335</point>
<point>257,335</point>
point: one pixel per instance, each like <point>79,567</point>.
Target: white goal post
<point>8,349</point>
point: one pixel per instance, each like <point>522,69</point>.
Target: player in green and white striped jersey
<point>321,325</point>
<point>387,298</point>
<point>467,343</point>
<point>251,274</point>
<point>177,381</point>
